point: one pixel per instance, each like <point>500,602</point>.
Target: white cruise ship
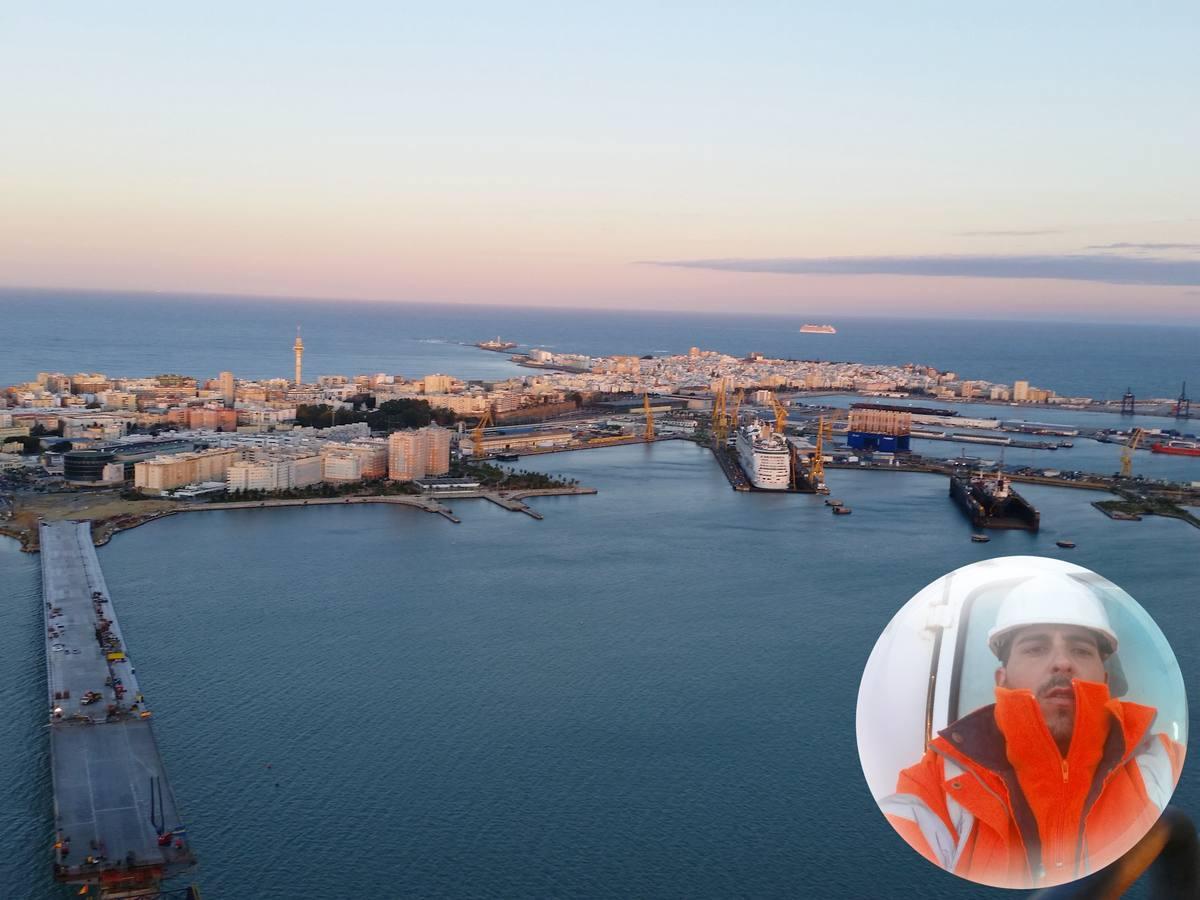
<point>764,456</point>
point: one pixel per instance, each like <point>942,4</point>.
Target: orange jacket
<point>995,801</point>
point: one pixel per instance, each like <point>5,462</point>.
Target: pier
<point>116,825</point>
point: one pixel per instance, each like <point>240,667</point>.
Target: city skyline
<point>1026,162</point>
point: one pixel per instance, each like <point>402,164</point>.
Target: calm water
<point>651,693</point>
<point>143,335</point>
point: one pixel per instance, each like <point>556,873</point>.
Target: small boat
<point>1066,545</point>
<point>841,510</point>
<point>832,502</point>
<point>980,538</point>
<point>507,457</point>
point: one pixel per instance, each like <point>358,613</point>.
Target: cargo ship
<point>765,457</point>
<point>990,502</point>
<point>915,410</point>
<point>1177,448</point>
<point>817,329</point>
<point>498,345</point>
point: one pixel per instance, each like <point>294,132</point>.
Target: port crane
<point>781,414</point>
<point>719,421</point>
<point>649,433</point>
<point>484,421</point>
<point>737,405</point>
<point>816,469</point>
<point>1127,453</point>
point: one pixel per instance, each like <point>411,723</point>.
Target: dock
<point>116,824</point>
<point>740,482</point>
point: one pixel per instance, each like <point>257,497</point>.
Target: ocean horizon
<point>132,334</point>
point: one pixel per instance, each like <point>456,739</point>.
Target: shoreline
<point>103,529</point>
<point>1161,407</point>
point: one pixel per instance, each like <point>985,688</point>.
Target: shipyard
<point>172,446</point>
<point>143,448</point>
<point>175,445</point>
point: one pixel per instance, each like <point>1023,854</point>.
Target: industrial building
<point>92,467</point>
<point>879,430</point>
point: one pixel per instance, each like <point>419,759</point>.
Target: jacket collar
<point>979,738</point>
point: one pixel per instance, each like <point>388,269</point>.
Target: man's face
<point>1044,659</point>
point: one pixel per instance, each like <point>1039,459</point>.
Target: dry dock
<point>115,820</point>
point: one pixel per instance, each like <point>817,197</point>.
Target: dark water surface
<point>651,693</point>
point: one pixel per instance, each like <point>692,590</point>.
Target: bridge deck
<point>112,801</point>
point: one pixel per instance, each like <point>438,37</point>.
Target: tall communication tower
<point>298,347</point>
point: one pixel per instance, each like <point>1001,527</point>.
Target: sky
<point>1020,159</point>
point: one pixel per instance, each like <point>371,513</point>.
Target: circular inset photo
<point>1022,722</point>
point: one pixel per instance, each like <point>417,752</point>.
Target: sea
<point>649,693</point>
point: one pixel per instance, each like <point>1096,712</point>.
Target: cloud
<point>1014,233</point>
<point>1127,246</point>
<point>1100,267</point>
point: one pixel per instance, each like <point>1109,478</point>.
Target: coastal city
<point>109,444</point>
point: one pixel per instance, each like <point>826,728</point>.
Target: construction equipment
<point>484,421</point>
<point>1183,406</point>
<point>720,422</point>
<point>816,469</point>
<point>738,397</point>
<point>1127,453</point>
<point>781,414</point>
<point>649,433</point>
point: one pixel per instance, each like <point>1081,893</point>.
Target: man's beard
<point>1059,719</point>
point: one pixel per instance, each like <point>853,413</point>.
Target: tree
<point>394,415</point>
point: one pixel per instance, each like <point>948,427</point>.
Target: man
<point>1054,780</point>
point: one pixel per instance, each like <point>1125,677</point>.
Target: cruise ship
<point>817,329</point>
<point>764,457</point>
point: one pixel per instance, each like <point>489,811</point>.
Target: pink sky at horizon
<point>443,157</point>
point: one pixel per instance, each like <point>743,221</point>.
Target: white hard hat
<point>1051,599</point>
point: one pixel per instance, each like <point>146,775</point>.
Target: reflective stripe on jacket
<point>995,801</point>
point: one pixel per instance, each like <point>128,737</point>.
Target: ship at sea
<point>990,502</point>
<point>764,456</point>
<point>817,329</point>
<point>498,345</point>
<point>1177,448</point>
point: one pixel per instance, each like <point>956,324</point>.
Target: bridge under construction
<point>116,826</point>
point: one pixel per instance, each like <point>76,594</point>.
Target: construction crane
<point>781,414</point>
<point>649,434</point>
<point>484,421</point>
<point>720,422</point>
<point>1183,406</point>
<point>816,470</point>
<point>1127,453</point>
